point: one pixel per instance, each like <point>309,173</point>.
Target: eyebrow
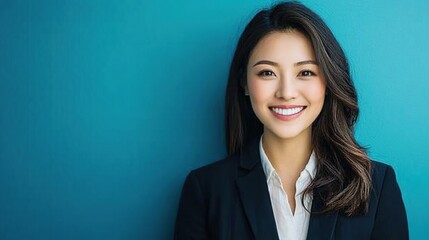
<point>276,64</point>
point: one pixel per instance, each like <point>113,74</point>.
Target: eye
<point>266,73</point>
<point>306,73</point>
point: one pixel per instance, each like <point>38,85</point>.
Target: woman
<point>295,170</point>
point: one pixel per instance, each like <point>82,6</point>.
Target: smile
<point>287,111</point>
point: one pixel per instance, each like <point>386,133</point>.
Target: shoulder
<point>387,204</point>
<point>382,172</point>
<point>384,181</point>
<point>217,173</point>
<point>219,165</point>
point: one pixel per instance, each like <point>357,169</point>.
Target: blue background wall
<point>105,106</point>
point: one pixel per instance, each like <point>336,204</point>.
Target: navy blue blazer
<point>229,199</point>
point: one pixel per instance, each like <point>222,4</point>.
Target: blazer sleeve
<point>191,215</point>
<point>391,219</point>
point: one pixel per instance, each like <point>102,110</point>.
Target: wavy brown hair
<point>343,170</point>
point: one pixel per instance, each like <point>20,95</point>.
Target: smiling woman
<point>291,88</point>
<point>286,86</point>
<point>295,170</point>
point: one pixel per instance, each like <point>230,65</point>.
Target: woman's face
<point>285,84</point>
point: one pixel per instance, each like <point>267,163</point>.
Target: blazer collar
<point>254,195</point>
<point>322,225</point>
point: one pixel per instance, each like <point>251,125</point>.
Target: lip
<point>289,117</point>
<point>287,106</point>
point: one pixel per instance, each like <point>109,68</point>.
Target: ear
<point>246,91</point>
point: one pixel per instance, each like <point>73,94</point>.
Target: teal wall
<point>105,106</point>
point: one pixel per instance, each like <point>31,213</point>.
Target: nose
<point>287,88</point>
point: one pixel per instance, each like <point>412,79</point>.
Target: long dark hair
<point>343,170</point>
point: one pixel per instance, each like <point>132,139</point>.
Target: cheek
<point>255,90</point>
<point>316,92</point>
<point>259,90</point>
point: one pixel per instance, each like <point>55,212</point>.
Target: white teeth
<point>288,111</point>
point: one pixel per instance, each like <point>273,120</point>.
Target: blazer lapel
<point>253,190</point>
<point>322,225</point>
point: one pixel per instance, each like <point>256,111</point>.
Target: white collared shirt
<point>289,226</point>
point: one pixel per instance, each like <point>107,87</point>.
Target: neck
<point>288,156</point>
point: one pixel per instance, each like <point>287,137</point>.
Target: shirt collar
<point>266,164</point>
<point>269,169</point>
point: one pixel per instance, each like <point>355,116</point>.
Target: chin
<point>287,134</point>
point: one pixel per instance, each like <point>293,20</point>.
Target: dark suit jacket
<point>229,199</point>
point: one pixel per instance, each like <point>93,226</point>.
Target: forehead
<point>286,46</point>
